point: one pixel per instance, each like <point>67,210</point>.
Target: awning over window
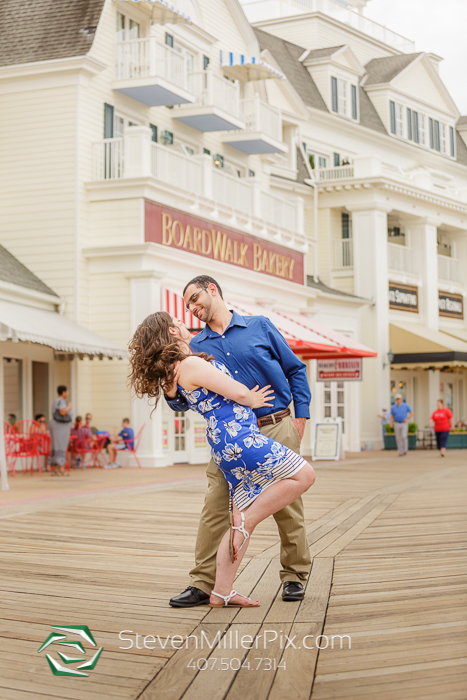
<point>164,12</point>
<point>173,303</point>
<point>424,348</point>
<point>238,66</point>
<point>25,323</point>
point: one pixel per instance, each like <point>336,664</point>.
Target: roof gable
<point>421,80</point>
<point>342,56</point>
<point>44,30</point>
<point>14,272</point>
<point>382,70</point>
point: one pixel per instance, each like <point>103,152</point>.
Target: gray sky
<point>437,27</point>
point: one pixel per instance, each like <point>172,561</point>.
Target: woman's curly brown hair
<point>153,353</point>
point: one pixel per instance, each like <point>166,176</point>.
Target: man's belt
<point>273,418</point>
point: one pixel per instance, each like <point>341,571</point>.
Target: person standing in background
<point>59,428</point>
<point>384,416</point>
<point>442,420</point>
<point>399,419</point>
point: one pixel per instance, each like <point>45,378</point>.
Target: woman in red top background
<point>442,419</point>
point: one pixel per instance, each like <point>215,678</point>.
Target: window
<point>335,106</point>
<point>153,132</point>
<point>322,162</point>
<point>337,160</point>
<point>416,135</point>
<point>442,137</point>
<point>421,128</point>
<point>120,27</point>
<point>437,136</point>
<point>206,151</point>
<point>40,388</point>
<point>311,160</point>
<point>431,130</point>
<point>451,141</point>
<point>169,40</point>
<point>339,95</point>
<point>251,173</point>
<point>127,29</point>
<point>396,118</point>
<point>409,124</point>
<point>334,401</point>
<point>206,60</point>
<point>166,137</point>
<point>189,150</point>
<point>392,106</point>
<point>108,121</point>
<point>354,102</point>
<point>345,225</point>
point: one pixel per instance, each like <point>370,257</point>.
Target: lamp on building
<point>218,160</point>
<point>390,358</point>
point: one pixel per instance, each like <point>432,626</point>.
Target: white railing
<point>338,173</point>
<point>230,191</point>
<point>400,258</point>
<point>213,90</point>
<point>448,269</point>
<point>279,212</point>
<point>260,10</point>
<point>176,169</point>
<point>343,253</point>
<point>108,159</point>
<point>259,116</point>
<point>148,58</point>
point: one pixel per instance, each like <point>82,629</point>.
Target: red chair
<point>9,439</point>
<point>133,450</point>
<point>26,443</point>
<point>97,445</point>
<point>44,442</point>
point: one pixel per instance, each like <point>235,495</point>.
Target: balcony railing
<point>148,58</point>
<point>401,259</point>
<point>448,269</point>
<point>343,253</point>
<point>176,169</point>
<point>339,173</point>
<point>279,212</point>
<point>231,191</point>
<point>108,159</point>
<point>261,117</point>
<point>213,90</point>
<point>260,10</point>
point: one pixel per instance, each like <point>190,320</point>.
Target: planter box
<point>457,441</point>
<point>390,442</point>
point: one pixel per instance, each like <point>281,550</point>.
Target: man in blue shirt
<point>256,354</point>
<point>399,419</point>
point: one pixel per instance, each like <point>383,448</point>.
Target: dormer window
<point>340,90</point>
<point>396,118</point>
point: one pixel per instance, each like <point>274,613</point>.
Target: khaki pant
<point>402,441</point>
<point>295,552</point>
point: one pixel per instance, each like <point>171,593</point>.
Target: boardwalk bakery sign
<point>403,297</point>
<point>176,229</point>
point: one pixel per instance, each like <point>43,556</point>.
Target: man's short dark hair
<point>203,281</point>
<point>61,389</point>
<point>126,420</point>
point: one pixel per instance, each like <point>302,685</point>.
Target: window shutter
<point>354,102</point>
<point>154,132</point>
<point>416,135</point>
<point>337,160</point>
<point>205,62</point>
<point>409,124</point>
<point>431,130</point>
<point>345,225</point>
<point>108,121</point>
<point>393,116</point>
<point>335,107</point>
<point>451,138</point>
<point>169,40</point>
<point>437,136</point>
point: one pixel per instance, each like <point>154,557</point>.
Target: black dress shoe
<point>189,598</point>
<point>292,590</point>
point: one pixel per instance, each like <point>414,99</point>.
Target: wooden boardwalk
<point>389,570</point>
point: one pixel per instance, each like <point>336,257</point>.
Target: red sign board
<point>339,370</point>
<point>176,229</point>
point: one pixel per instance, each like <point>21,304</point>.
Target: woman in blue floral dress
<point>263,475</point>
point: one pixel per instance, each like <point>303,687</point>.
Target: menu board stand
<point>327,443</point>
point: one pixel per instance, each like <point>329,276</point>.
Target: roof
<point>369,117</point>
<point>44,30</point>
<point>14,272</point>
<point>461,149</point>
<point>322,53</point>
<point>462,121</point>
<point>383,70</point>
<point>287,56</point>
<point>310,282</point>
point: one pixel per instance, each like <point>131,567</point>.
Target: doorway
<point>12,390</point>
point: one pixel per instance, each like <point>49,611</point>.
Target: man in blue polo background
<point>399,419</point>
<point>256,354</point>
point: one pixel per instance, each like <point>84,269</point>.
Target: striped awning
<point>238,66</point>
<point>173,303</point>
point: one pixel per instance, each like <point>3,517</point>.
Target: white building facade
<point>168,143</point>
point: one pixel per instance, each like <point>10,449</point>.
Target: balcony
<point>448,269</point>
<point>342,172</point>
<point>213,192</point>
<point>151,73</point>
<point>263,129</point>
<point>343,253</point>
<point>216,106</point>
<point>401,259</point>
<point>262,10</point>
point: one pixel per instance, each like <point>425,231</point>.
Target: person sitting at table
<point>43,423</point>
<point>81,438</point>
<point>124,441</point>
<point>461,424</point>
<point>88,419</point>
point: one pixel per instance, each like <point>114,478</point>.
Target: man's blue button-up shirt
<point>255,352</point>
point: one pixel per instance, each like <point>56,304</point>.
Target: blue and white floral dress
<point>249,460</point>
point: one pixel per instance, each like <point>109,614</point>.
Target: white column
<point>137,151</point>
<point>145,298</point>
<point>433,392</point>
<point>425,239</point>
<point>370,236</point>
<point>3,468</point>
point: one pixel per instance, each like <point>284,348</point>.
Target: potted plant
<point>390,438</point>
<point>457,439</point>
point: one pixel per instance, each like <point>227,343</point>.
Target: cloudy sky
<point>438,27</point>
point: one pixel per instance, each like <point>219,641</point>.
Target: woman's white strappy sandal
<point>245,533</point>
<point>228,598</point>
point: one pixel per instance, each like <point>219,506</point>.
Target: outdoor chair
<point>26,443</point>
<point>136,440</point>
<point>9,439</point>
